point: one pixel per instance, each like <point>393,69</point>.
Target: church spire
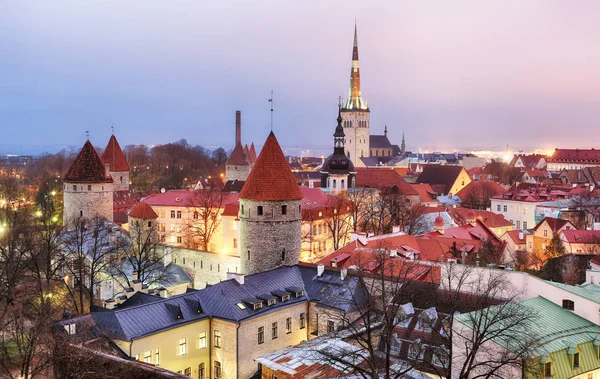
<point>355,100</point>
<point>403,145</point>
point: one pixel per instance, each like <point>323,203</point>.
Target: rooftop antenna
<point>87,134</point>
<point>271,101</point>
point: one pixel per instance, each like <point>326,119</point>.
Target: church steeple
<point>403,145</point>
<point>355,100</point>
<point>339,136</point>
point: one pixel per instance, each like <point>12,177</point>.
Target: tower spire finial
<point>112,129</point>
<point>271,101</point>
<point>87,135</point>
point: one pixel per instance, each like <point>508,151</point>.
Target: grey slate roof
<point>379,142</point>
<point>220,301</point>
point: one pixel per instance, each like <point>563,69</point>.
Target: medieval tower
<point>240,161</point>
<point>270,213</point>
<point>117,164</point>
<point>356,116</point>
<point>88,187</point>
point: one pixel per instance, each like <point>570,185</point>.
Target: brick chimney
<point>238,127</point>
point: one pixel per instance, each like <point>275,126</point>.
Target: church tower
<point>338,171</point>
<point>117,164</point>
<point>356,116</point>
<point>270,213</point>
<point>88,187</point>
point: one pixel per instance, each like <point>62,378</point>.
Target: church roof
<point>87,167</point>
<point>271,177</point>
<point>144,211</point>
<point>379,142</point>
<point>114,157</point>
<point>237,157</point>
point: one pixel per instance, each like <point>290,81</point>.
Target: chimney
<point>343,273</point>
<point>137,286</point>
<point>162,291</point>
<point>334,262</point>
<point>393,253</point>
<point>238,127</point>
<point>521,235</point>
<point>134,275</point>
<point>320,270</point>
<point>238,277</point>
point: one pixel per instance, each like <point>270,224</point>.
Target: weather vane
<point>112,128</point>
<point>87,134</point>
<point>271,101</point>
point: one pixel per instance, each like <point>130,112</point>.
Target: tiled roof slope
<point>271,177</point>
<point>87,167</point>
<point>237,157</point>
<point>144,211</point>
<point>220,301</point>
<point>440,174</point>
<point>114,157</point>
<point>383,178</point>
<point>554,223</point>
<point>575,155</point>
<point>253,156</point>
<point>379,142</point>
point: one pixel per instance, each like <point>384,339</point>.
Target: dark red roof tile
<point>271,177</point>
<point>87,167</point>
<point>144,211</point>
<point>237,157</point>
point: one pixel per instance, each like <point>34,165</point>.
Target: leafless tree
<point>337,220</point>
<point>360,200</point>
<point>204,206</point>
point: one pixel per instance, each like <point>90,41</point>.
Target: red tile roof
<point>575,155</point>
<point>114,157</point>
<point>184,198</point>
<point>383,178</point>
<point>144,211</point>
<point>237,157</point>
<point>253,156</point>
<point>480,191</point>
<point>582,236</point>
<point>514,235</point>
<point>425,191</point>
<point>491,219</point>
<point>87,167</point>
<point>271,178</point>
<point>554,223</point>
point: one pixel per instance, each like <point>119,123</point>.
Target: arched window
<point>342,184</point>
<point>283,255</point>
<point>334,183</point>
<point>328,182</point>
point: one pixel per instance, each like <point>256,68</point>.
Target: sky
<point>449,74</point>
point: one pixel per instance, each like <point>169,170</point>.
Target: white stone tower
<point>88,188</point>
<point>270,213</point>
<point>356,116</point>
<point>117,163</point>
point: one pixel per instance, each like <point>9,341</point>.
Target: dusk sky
<point>449,74</point>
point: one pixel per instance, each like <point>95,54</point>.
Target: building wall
<point>471,162</point>
<point>168,344</point>
<point>237,172</point>
<point>357,137</point>
<point>121,180</point>
<point>519,213</point>
<point>248,336</point>
<point>266,236</point>
<point>205,267</point>
<point>227,354</point>
<point>87,200</point>
<point>461,182</point>
<point>559,166</point>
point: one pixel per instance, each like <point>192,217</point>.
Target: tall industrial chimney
<point>238,127</point>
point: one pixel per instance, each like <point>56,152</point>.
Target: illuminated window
<point>148,357</point>
<point>217,338</point>
<point>183,346</point>
<point>202,340</point>
<point>157,356</point>
<point>218,373</point>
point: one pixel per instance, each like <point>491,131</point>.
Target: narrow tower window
<point>248,254</point>
<point>284,210</point>
<point>259,210</point>
<point>283,255</point>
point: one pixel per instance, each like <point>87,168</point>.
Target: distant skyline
<point>460,74</point>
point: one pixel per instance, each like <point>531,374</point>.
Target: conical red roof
<point>114,157</point>
<point>252,158</point>
<point>271,177</point>
<point>144,211</point>
<point>87,167</point>
<point>237,156</point>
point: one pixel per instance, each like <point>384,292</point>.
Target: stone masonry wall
<point>87,201</point>
<point>121,180</point>
<point>205,267</point>
<point>266,236</point>
<point>235,172</point>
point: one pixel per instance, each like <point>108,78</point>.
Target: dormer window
<point>271,302</point>
<point>299,293</point>
<point>576,360</point>
<point>285,297</point>
<point>568,304</point>
<point>257,306</point>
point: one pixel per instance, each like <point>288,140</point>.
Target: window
<point>576,360</point>
<point>248,254</point>
<point>548,369</point>
<point>202,340</point>
<point>288,325</point>
<point>284,210</point>
<point>518,224</point>
<point>330,326</point>
<point>178,214</point>
<point>217,338</point>
<point>201,371</point>
<point>242,208</point>
<point>274,330</point>
<point>188,371</point>
<point>261,334</point>
<point>505,208</point>
<point>241,306</point>
<point>285,297</point>
<point>89,187</point>
<point>273,376</point>
<point>218,372</point>
<point>259,210</point>
<point>70,328</point>
<point>302,321</point>
<point>271,302</point>
<point>148,357</point>
<point>524,224</point>
<point>183,346</point>
<point>179,239</point>
<point>568,304</point>
<point>235,243</point>
<point>545,233</point>
<point>283,255</point>
<point>75,187</point>
<point>196,215</point>
<point>157,356</point>
<point>172,214</point>
<point>498,208</point>
<point>416,351</point>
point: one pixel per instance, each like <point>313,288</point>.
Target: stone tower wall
<point>121,180</point>
<point>357,136</point>
<point>268,235</point>
<point>235,172</point>
<point>87,200</point>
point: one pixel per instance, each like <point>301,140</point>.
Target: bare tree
<point>338,220</point>
<point>359,199</point>
<point>204,206</point>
